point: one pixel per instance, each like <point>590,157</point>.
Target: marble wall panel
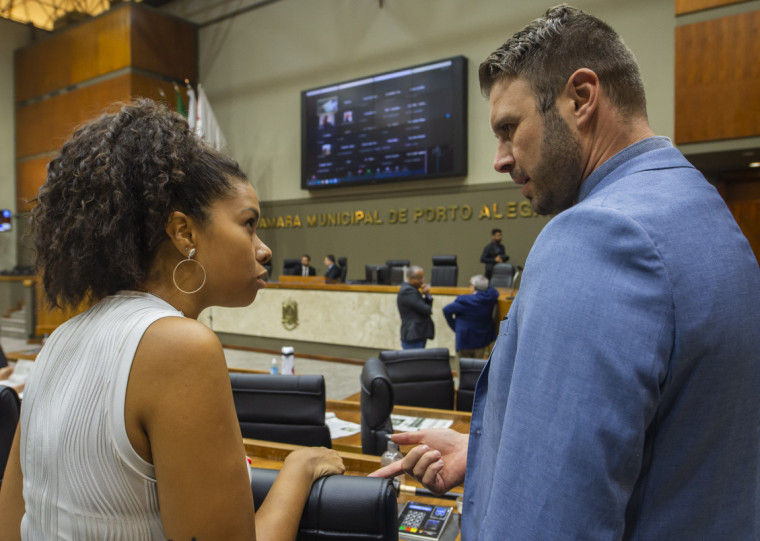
<point>359,319</point>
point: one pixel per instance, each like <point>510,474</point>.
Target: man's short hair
<point>494,231</point>
<point>414,269</point>
<point>307,256</point>
<point>550,49</point>
<point>331,258</point>
<point>479,282</point>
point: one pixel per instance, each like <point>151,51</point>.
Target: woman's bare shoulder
<point>179,340</point>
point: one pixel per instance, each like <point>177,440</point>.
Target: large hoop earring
<point>189,258</point>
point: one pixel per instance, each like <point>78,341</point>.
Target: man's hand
<point>498,259</point>
<point>438,461</point>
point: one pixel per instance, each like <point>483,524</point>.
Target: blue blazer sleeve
<point>449,311</point>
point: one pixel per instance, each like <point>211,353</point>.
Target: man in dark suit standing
<point>333,270</point>
<point>493,253</point>
<point>306,268</point>
<point>415,305</point>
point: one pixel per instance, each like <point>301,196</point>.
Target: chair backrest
<point>396,270</point>
<point>502,275</point>
<point>3,358</point>
<point>469,372</point>
<point>343,264</point>
<point>288,409</point>
<point>290,266</point>
<point>376,399</point>
<point>384,274</point>
<point>420,377</point>
<point>445,271</point>
<point>10,406</point>
<point>340,507</point>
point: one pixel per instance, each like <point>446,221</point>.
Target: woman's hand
<point>317,461</point>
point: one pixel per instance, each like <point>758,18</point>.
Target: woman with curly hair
<point>128,427</point>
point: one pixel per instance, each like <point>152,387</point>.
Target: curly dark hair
<point>99,218</point>
<point>548,50</point>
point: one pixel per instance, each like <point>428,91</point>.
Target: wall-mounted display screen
<point>5,220</point>
<point>401,125</point>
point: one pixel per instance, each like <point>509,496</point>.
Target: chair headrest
<point>397,262</point>
<point>444,260</point>
<point>342,261</point>
<point>303,384</point>
<point>402,355</point>
<point>503,267</point>
<point>291,262</point>
<point>468,364</point>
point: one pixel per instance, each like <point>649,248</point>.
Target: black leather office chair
<point>288,409</point>
<point>420,377</point>
<point>340,507</point>
<point>469,372</point>
<point>290,266</point>
<point>502,276</point>
<point>343,264</point>
<point>376,399</point>
<point>10,407</point>
<point>396,270</point>
<point>383,273</point>
<point>445,271</point>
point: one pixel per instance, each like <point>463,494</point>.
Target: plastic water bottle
<point>274,369</point>
<point>391,455</point>
<point>288,361</point>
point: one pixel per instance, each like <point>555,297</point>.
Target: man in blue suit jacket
<point>621,397</point>
<point>471,317</point>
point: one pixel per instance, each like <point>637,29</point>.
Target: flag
<point>206,125</point>
<point>192,108</point>
<point>180,104</point>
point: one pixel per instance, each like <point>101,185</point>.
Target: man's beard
<point>557,176</point>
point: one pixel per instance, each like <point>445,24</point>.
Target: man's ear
<point>583,92</point>
<point>181,231</point>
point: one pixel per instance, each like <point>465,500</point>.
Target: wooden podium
<point>306,280</point>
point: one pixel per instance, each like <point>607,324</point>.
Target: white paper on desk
<point>21,371</point>
<point>340,428</point>
<point>406,423</point>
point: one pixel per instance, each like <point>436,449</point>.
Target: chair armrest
<point>340,507</point>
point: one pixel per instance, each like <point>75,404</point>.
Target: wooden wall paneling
<point>164,45</point>
<point>690,6</point>
<point>48,319</point>
<point>717,79</point>
<point>45,125</point>
<point>743,198</point>
<point>145,86</point>
<point>30,175</point>
<point>94,48</point>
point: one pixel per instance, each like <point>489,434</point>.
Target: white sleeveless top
<point>82,478</point>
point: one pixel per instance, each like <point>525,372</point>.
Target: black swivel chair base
<point>341,507</point>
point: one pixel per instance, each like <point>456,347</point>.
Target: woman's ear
<point>181,231</point>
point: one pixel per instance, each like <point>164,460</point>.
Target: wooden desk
<point>300,280</point>
<point>25,354</point>
<point>351,411</point>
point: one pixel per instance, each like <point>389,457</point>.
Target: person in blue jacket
<point>620,400</point>
<point>471,317</point>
